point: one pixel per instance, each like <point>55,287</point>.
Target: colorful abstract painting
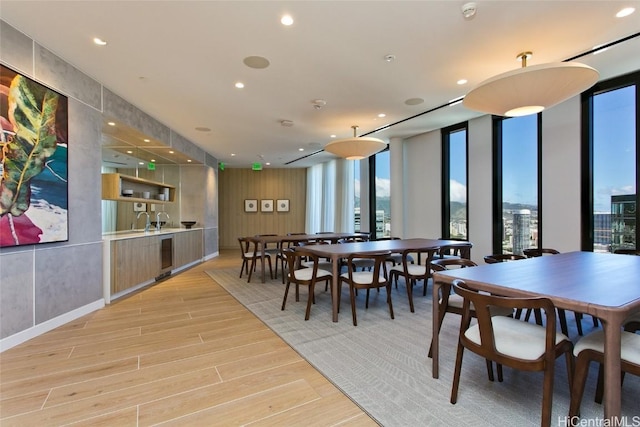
<point>33,163</point>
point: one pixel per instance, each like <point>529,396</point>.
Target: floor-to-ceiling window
<point>454,181</point>
<point>610,164</point>
<point>380,194</point>
<point>516,192</point>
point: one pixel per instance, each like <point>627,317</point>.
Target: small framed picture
<point>282,205</point>
<point>266,205</point>
<point>250,205</point>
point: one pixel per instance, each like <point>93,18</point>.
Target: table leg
<point>612,379</point>
<point>335,284</point>
<point>435,340</point>
<point>262,261</point>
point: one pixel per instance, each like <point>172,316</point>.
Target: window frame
<point>586,154</point>
<point>497,226</point>
<point>446,176</point>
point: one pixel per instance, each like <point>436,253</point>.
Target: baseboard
<point>211,256</point>
<point>26,335</point>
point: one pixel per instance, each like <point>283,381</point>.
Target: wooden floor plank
<point>182,350</point>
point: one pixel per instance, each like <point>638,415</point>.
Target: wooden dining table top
<point>603,285</point>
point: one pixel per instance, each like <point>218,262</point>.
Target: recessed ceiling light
<point>99,41</point>
<point>286,20</point>
<point>381,115</point>
<point>233,154</point>
<point>203,129</point>
<point>129,152</point>
<point>625,12</point>
<point>141,163</point>
<point>153,160</point>
<point>268,163</point>
<point>239,85</point>
<point>300,149</point>
<point>146,140</point>
<point>332,136</point>
<point>462,81</point>
<point>111,123</point>
<point>171,151</point>
<point>188,160</point>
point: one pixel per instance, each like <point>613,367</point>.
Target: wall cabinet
<point>113,185</point>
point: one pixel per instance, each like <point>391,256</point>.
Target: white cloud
<point>383,187</point>
<point>458,191</point>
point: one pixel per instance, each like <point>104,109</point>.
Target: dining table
<point>603,285</point>
<point>263,240</point>
<point>337,252</point>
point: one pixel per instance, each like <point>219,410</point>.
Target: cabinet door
<point>187,247</point>
<point>134,261</point>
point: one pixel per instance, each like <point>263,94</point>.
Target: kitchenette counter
<point>133,259</point>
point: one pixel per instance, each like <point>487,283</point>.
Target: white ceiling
<point>179,60</point>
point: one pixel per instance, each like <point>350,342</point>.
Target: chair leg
<point>286,292</point>
<point>244,266</point>
<point>499,369</point>
<point>309,300</point>
<point>456,374</point>
<point>353,305</point>
<point>409,293</point>
<point>563,321</point>
<point>389,299</point>
<point>251,269</point>
<point>579,379</point>
<point>547,396</point>
<point>579,323</point>
<point>489,369</point>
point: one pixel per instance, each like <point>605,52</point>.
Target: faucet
<point>158,226</point>
<point>148,223</point>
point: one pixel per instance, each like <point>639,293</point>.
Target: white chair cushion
<point>307,274</point>
<point>363,277</point>
<point>630,345</point>
<point>413,269</point>
<point>252,254</point>
<point>516,338</point>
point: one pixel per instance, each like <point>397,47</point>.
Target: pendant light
<point>355,148</point>
<point>529,90</point>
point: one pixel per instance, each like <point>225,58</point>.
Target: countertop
<point>133,234</point>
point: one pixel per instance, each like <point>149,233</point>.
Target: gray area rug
<point>382,364</point>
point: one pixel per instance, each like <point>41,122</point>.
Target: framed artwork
<point>266,205</point>
<point>33,162</point>
<point>282,205</point>
<point>250,205</point>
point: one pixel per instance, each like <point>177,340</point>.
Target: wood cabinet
<point>114,183</point>
<point>133,262</point>
<point>136,260</point>
<point>187,247</point>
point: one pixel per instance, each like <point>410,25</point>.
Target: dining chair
<point>632,324</point>
<point>413,272</point>
<point>375,279</point>
<point>627,251</point>
<point>452,303</point>
<point>250,254</point>
<point>361,263</point>
<point>299,274</point>
<point>536,252</point>
<point>562,317</point>
<point>461,250</point>
<point>511,342</point>
<point>496,258</point>
<point>395,258</point>
<point>281,256</point>
<point>591,349</point>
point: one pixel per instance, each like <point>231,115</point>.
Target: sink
<point>188,224</point>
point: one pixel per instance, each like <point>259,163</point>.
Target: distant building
<point>521,230</point>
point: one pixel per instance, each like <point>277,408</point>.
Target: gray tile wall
<point>41,282</point>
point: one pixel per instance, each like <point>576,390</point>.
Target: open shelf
<point>114,183</point>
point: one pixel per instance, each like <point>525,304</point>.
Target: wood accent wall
<point>237,185</point>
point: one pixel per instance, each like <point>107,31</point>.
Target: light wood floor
<point>182,352</point>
